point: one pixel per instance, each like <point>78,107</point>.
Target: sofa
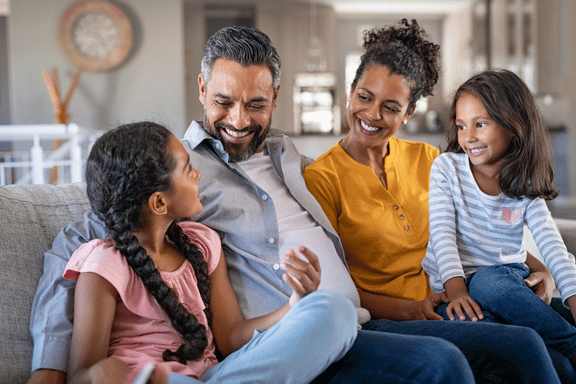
<point>30,218</point>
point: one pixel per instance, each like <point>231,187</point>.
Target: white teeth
<point>236,133</point>
<point>476,150</point>
<point>367,127</point>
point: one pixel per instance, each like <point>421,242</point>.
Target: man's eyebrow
<point>222,96</point>
<point>259,99</point>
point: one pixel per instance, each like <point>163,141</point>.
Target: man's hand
<point>542,283</point>
<point>47,376</point>
<point>424,309</point>
<point>303,276</point>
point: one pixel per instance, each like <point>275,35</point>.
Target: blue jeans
<point>500,290</point>
<point>314,333</point>
<point>497,353</point>
<point>318,330</point>
<point>509,284</point>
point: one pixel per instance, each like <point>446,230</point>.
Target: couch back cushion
<point>30,218</point>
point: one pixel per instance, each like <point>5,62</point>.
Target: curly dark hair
<point>528,169</point>
<point>125,166</point>
<point>405,49</point>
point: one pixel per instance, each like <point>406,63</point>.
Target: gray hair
<point>244,45</point>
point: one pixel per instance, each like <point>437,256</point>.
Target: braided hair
<point>125,166</point>
<point>405,49</point>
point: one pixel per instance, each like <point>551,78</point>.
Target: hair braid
<point>196,259</point>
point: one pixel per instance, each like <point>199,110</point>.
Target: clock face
<point>95,35</point>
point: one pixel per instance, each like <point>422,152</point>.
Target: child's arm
<point>460,300</point>
<point>230,329</point>
<point>94,307</point>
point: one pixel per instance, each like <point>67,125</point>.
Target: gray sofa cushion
<point>30,218</point>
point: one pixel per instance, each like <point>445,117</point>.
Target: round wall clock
<point>96,35</point>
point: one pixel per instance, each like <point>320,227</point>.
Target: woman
<point>374,189</point>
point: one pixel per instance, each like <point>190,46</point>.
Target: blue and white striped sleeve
<point>552,247</point>
<point>442,246</point>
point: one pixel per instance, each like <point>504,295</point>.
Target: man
<point>254,196</point>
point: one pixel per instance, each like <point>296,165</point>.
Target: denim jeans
<point>312,335</point>
<point>318,330</point>
<point>504,298</point>
<point>497,353</point>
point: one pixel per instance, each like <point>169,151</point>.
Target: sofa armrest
<point>31,217</point>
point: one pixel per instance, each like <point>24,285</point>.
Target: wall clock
<point>96,35</point>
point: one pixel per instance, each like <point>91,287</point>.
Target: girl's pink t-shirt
<point>141,330</point>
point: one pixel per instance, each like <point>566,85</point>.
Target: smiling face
<point>377,106</point>
<point>482,139</point>
<point>238,103</point>
<point>183,196</point>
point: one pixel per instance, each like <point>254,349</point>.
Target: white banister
<point>74,142</point>
<point>37,155</point>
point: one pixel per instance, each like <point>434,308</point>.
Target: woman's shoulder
<point>329,162</point>
<point>414,147</point>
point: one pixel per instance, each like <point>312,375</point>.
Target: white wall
<point>148,86</point>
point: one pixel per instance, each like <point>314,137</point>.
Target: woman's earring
<point>405,121</point>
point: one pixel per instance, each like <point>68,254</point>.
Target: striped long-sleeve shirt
<point>470,229</point>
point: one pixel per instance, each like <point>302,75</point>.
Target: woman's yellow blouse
<point>384,231</point>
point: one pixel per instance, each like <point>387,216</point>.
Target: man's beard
<point>238,152</point>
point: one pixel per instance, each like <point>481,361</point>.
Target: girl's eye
<point>460,127</point>
<point>391,109</point>
<point>481,124</point>
<point>363,98</point>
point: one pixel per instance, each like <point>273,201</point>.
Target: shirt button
<point>264,197</point>
<point>407,228</point>
<point>271,240</point>
<point>276,266</point>
<point>218,145</point>
<point>395,207</point>
<point>401,217</point>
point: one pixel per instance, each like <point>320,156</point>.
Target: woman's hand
<point>303,276</point>
<point>424,309</point>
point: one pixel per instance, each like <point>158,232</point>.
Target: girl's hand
<point>424,309</point>
<point>460,300</point>
<point>469,306</point>
<point>303,276</point>
<point>108,370</point>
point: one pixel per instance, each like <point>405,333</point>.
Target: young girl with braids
<point>494,179</point>
<point>157,288</point>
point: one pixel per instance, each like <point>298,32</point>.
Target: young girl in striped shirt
<point>493,179</point>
